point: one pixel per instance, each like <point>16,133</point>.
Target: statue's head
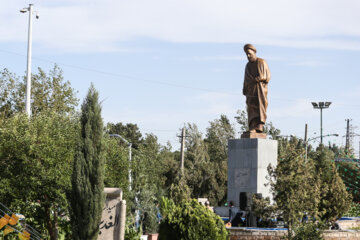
<point>250,51</point>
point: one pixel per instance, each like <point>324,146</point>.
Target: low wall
<point>259,234</point>
<point>349,222</point>
<point>237,233</point>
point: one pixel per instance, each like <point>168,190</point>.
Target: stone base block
<point>247,166</point>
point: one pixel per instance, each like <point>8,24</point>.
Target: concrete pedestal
<point>247,166</point>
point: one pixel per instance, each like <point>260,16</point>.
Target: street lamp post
<point>28,71</point>
<point>321,106</point>
<point>129,145</point>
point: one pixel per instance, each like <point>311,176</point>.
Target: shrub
<point>131,233</point>
<point>189,220</point>
<point>354,210</point>
<point>264,211</point>
<point>308,230</point>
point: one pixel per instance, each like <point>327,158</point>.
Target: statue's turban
<point>249,46</point>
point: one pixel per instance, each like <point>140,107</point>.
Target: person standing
<point>234,215</point>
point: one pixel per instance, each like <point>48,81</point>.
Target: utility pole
<point>347,143</point>
<point>182,150</point>
<point>352,135</point>
<point>305,138</point>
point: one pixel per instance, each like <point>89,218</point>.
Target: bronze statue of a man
<point>257,77</point>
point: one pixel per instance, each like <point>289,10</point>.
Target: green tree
<point>51,95</point>
<point>334,199</point>
<point>339,152</point>
<point>49,92</point>
<point>350,174</point>
<point>117,164</point>
<point>36,156</point>
<point>307,188</point>
<point>271,130</point>
<point>171,163</point>
<point>242,120</point>
<point>128,131</point>
<point>148,181</point>
<point>180,191</point>
<point>87,197</point>
<point>197,169</point>
<point>264,210</point>
<point>354,210</point>
<point>295,188</point>
<point>206,160</point>
<point>217,136</point>
<point>11,97</point>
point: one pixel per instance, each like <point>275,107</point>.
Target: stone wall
<point>249,234</point>
<point>255,234</point>
<point>341,235</point>
<point>348,224</point>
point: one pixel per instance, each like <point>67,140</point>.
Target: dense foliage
<point>40,151</point>
<point>354,210</point>
<point>293,183</point>
<point>308,230</point>
<point>264,211</point>
<point>87,197</point>
<point>49,92</point>
<point>307,188</point>
<point>206,160</point>
<point>350,174</point>
<point>36,154</point>
<point>190,220</point>
<point>334,199</point>
<point>36,158</point>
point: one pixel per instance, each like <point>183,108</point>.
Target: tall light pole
<point>28,71</point>
<point>129,145</point>
<point>321,106</point>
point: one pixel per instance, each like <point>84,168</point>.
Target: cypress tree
<point>334,199</point>
<point>87,196</point>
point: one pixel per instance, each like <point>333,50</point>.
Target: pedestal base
<point>247,166</point>
<point>253,135</point>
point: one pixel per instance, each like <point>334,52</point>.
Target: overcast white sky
<point>162,63</point>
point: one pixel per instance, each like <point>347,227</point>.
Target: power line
<point>120,75</point>
<point>125,76</point>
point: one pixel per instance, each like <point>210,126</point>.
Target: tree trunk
<point>52,225</point>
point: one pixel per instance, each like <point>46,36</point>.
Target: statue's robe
<point>256,93</point>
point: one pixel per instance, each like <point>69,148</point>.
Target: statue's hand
<point>257,79</point>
